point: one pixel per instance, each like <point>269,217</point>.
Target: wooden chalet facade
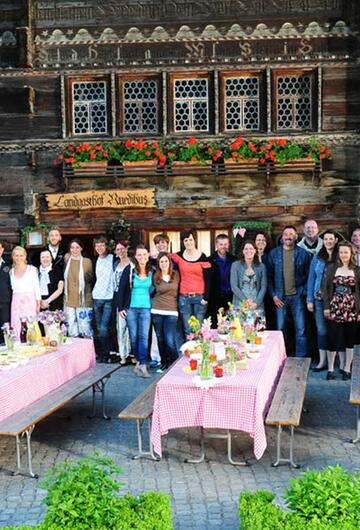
<point>95,70</point>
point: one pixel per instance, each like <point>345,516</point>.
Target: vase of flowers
<point>54,323</point>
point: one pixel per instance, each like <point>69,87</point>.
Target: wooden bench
<point>141,410</point>
<point>355,394</point>
<point>23,422</point>
<point>287,403</point>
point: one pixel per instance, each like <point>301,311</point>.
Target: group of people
<point>149,299</point>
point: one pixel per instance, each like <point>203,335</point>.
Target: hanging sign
<point>88,200</point>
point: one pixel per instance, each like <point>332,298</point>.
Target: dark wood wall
<point>41,44</point>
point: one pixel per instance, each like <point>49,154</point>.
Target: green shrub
<point>149,511</point>
<point>328,495</point>
<point>83,495</point>
<point>319,500</point>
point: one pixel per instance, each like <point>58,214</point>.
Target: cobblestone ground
<point>204,496</point>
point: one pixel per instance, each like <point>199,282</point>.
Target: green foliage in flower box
<point>194,150</point>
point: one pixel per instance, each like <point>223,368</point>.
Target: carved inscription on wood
<point>88,200</point>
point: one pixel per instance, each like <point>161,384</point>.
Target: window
<point>190,98</point>
<point>240,102</point>
<point>140,105</point>
<point>294,101</point>
<point>205,239</point>
<point>89,106</point>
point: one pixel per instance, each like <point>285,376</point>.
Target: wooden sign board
<point>88,200</point>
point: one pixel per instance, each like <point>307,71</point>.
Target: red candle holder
<point>193,364</point>
<point>219,371</point>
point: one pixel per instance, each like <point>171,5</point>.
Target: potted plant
<point>189,152</point>
<point>140,152</point>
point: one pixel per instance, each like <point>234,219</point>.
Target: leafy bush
<point>149,511</point>
<point>320,500</point>
<point>328,495</point>
<point>82,495</point>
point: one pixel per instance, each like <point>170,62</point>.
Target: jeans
<point>165,329</point>
<point>102,312</point>
<point>138,321</point>
<point>123,339</point>
<point>294,304</point>
<point>321,326</point>
<point>190,304</point>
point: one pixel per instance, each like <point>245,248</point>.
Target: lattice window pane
<point>90,107</point>
<point>294,102</point>
<point>242,103</point>
<point>182,116</point>
<point>191,105</point>
<point>141,106</point>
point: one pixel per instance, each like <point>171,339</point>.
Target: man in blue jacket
<point>288,267</point>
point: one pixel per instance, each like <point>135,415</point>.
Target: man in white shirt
<point>55,248</point>
<point>311,242</point>
<point>102,296</point>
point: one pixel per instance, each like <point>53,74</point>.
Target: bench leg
<point>19,470</point>
<point>357,439</point>
<point>279,459</point>
<point>99,387</point>
<point>141,452</point>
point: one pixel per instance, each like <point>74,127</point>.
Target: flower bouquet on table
<point>55,326</point>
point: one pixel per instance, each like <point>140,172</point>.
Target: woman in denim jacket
<point>248,278</point>
<point>327,254</point>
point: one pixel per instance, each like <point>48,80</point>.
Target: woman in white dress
<point>26,289</point>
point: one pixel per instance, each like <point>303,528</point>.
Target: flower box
<point>93,168</point>
<point>140,163</point>
<point>297,163</point>
<point>181,163</point>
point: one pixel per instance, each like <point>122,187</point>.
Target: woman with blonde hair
<point>26,289</point>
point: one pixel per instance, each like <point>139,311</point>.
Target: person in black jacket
<point>5,291</point>
<point>51,280</point>
<point>220,291</point>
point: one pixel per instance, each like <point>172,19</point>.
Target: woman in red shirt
<point>194,269</point>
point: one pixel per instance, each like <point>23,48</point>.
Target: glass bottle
<point>23,330</point>
<point>8,336</point>
<point>31,334</point>
<point>206,370</point>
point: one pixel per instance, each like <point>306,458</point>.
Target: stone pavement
<point>204,496</point>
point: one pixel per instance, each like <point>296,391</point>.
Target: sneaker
<point>142,371</point>
<point>154,364</point>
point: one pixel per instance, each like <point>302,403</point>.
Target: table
<point>25,384</point>
<point>239,402</point>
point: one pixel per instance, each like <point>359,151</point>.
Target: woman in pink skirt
<point>26,289</point>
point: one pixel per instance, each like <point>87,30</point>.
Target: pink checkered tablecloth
<point>25,384</point>
<point>239,402</point>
